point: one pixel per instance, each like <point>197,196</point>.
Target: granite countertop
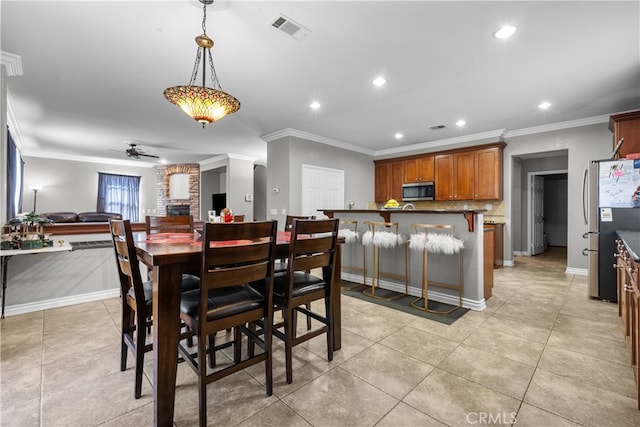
<point>406,210</point>
<point>631,240</point>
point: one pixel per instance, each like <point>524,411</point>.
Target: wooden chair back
<point>288,223</point>
<point>312,245</point>
<point>236,254</point>
<point>169,224</point>
<point>127,262</point>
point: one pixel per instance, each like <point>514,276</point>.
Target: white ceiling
<point>94,71</point>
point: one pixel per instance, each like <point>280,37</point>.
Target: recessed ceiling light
<point>460,123</point>
<point>399,135</point>
<point>379,81</point>
<point>544,105</point>
<point>314,105</point>
<point>504,32</point>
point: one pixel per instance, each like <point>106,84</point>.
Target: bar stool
<point>379,238</point>
<point>436,239</point>
<point>349,232</point>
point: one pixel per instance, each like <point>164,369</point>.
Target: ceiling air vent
<point>437,127</point>
<point>290,27</point>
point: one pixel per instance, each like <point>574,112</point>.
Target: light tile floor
<point>541,354</point>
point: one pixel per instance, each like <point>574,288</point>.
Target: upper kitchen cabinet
<point>420,169</point>
<point>388,180</point>
<point>470,174</point>
<point>488,174</point>
<point>627,126</point>
<point>454,176</point>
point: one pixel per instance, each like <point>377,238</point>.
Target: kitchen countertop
<point>631,240</point>
<point>469,214</point>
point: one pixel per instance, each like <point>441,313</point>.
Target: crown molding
<point>315,138</point>
<point>496,134</point>
<point>558,126</point>
<point>14,126</point>
<point>12,62</point>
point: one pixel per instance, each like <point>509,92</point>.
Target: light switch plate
<point>248,197</point>
<point>273,211</point>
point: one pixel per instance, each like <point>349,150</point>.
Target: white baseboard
<point>433,295</point>
<point>577,271</point>
<point>508,263</point>
<point>13,310</point>
<point>520,253</point>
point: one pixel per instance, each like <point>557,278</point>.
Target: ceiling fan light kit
<point>204,104</point>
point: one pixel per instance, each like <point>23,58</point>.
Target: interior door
<point>322,188</point>
<point>537,189</point>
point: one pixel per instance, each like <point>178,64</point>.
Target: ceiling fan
<point>136,153</point>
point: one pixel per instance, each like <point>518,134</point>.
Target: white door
<point>322,188</point>
<point>537,184</point>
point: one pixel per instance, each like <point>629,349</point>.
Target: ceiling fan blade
<point>148,155</point>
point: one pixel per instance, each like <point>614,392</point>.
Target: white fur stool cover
<point>348,235</point>
<point>435,243</point>
<point>382,239</point>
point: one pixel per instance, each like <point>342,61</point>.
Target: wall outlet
<point>488,206</point>
<point>283,212</point>
<point>273,212</point>
<point>248,197</point>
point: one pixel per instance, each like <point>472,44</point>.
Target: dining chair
<point>136,297</point>
<point>312,246</point>
<point>173,224</point>
<point>281,264</point>
<point>233,255</point>
<point>168,224</point>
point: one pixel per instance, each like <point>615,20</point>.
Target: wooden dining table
<point>169,255</point>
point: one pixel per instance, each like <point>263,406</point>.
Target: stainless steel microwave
<point>418,191</point>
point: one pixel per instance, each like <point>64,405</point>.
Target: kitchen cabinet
<point>489,239</point>
<point>498,247</point>
<point>388,180</point>
<point>454,176</point>
<point>444,177</point>
<point>469,175</point>
<point>627,126</point>
<point>487,170</point>
<point>473,173</point>
<point>420,169</point>
<point>628,282</point>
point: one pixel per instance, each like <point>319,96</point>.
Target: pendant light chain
<point>203,104</point>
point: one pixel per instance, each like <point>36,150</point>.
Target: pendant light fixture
<point>202,103</point>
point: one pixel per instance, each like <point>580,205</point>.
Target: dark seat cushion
<point>97,216</point>
<point>147,287</point>
<point>222,302</point>
<point>190,282</point>
<point>61,216</point>
<point>303,283</point>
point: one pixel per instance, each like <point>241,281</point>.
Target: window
<point>14,178</point>
<point>119,194</point>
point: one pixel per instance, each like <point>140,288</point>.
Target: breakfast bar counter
<point>468,226</point>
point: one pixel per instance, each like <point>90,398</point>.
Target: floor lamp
<point>35,189</point>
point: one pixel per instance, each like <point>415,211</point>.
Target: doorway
<point>548,210</point>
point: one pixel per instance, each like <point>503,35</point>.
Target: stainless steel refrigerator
<point>613,203</point>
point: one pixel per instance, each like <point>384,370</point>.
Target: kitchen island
<point>442,268</point>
